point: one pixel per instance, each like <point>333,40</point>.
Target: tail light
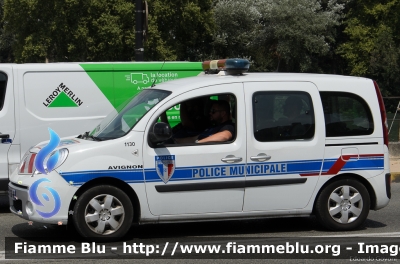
<point>383,115</point>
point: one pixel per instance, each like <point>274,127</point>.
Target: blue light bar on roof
<point>231,66</point>
<point>236,66</point>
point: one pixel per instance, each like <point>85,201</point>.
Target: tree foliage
<point>179,29</point>
<point>373,45</point>
<point>71,30</point>
<point>276,35</point>
<point>279,34</point>
<point>104,30</point>
<point>6,39</point>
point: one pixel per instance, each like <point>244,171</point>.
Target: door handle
<point>261,157</point>
<point>231,159</point>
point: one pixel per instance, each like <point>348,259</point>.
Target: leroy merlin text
<point>67,91</point>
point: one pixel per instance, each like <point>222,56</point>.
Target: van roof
<point>322,81</point>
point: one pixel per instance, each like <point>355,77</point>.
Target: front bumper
<point>47,202</point>
<point>19,198</point>
<point>17,195</point>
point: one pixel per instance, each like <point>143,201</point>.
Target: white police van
<point>331,160</point>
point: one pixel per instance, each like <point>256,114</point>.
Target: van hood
<point>64,143</point>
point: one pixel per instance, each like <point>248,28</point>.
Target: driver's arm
<point>222,136</point>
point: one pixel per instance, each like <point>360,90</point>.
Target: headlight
<point>54,160</point>
<point>50,163</point>
<point>27,164</point>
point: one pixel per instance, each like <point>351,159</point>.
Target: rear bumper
<point>382,188</point>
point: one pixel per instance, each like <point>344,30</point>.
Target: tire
<point>343,205</point>
<point>103,213</point>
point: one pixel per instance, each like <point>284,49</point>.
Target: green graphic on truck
<point>120,82</point>
<point>62,96</point>
<point>139,78</point>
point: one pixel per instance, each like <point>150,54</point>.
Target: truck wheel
<point>343,205</point>
<point>103,212</point>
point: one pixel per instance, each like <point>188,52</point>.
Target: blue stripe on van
<point>81,177</point>
<point>235,171</point>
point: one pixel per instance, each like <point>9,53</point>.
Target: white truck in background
<point>69,97</point>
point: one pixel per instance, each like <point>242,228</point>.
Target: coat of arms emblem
<point>165,167</point>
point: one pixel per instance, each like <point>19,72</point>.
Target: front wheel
<point>343,205</point>
<point>103,212</point>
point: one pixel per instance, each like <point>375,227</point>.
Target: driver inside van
<point>193,119</point>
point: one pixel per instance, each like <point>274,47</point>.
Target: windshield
<point>116,125</point>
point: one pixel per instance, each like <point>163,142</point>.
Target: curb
<point>395,176</point>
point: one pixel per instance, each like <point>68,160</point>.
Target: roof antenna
<point>155,79</point>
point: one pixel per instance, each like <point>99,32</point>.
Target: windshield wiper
<point>86,136</point>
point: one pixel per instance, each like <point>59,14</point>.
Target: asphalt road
<point>382,223</point>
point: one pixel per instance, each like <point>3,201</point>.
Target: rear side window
<point>346,114</point>
<point>3,86</point>
<point>281,116</point>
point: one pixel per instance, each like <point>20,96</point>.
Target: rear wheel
<point>343,205</point>
<point>103,212</point>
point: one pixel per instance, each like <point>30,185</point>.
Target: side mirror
<point>160,132</point>
<point>4,135</point>
<point>5,138</point>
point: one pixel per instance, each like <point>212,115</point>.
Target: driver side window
<point>201,119</point>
